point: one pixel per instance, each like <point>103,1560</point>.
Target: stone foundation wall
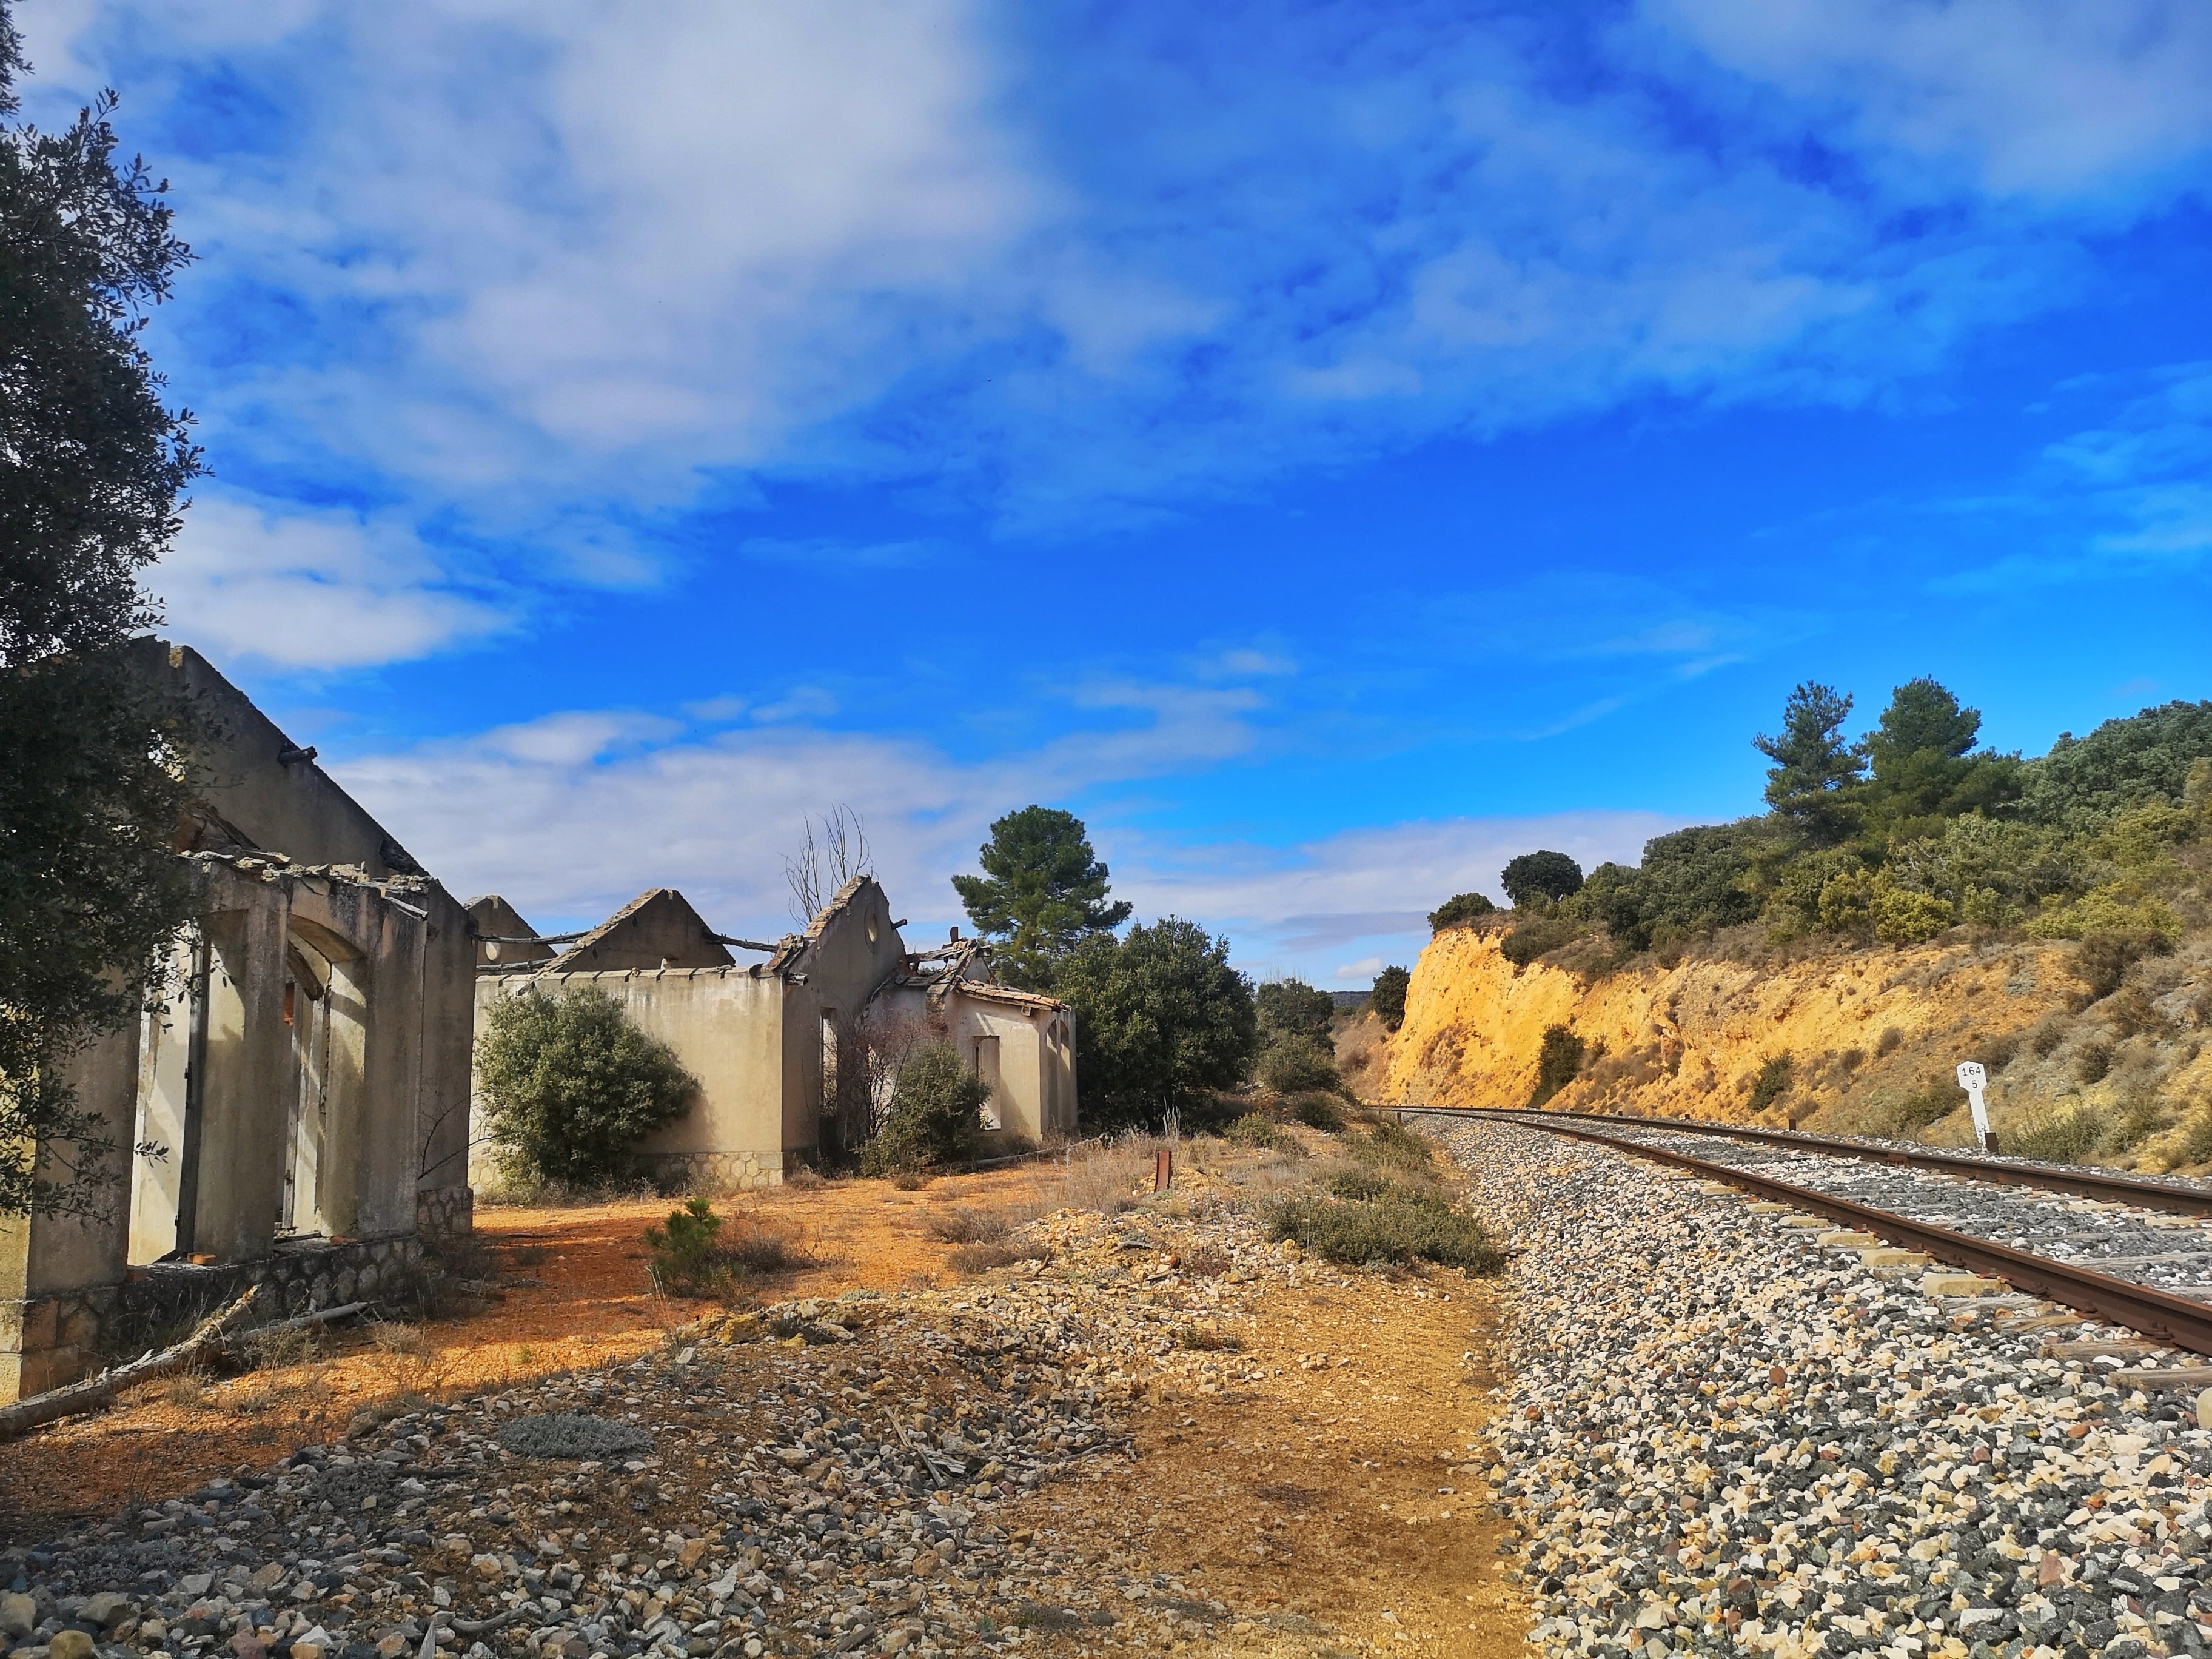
<point>445,1213</point>
<point>50,1340</point>
<point>709,1173</point>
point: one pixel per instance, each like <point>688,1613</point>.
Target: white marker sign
<point>1973,1079</point>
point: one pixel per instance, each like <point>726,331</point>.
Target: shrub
<point>569,1086</point>
<point>1295,1064</point>
<point>684,1259</point>
<point>2046,1037</point>
<point>1537,937</point>
<point>1316,1111</point>
<point>2103,959</point>
<point>2196,1145</point>
<point>1395,1227</point>
<point>1390,1143</point>
<point>1388,996</point>
<point>937,1107</point>
<point>1771,1083</point>
<point>1889,1042</point>
<point>962,1225</point>
<point>1256,1133</point>
<point>2065,1139</point>
<point>1459,910</point>
<point>1293,1006</point>
<point>1938,1100</point>
<point>1557,1063</point>
<point>2136,1117</point>
<point>2094,1061</point>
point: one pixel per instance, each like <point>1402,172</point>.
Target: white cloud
<point>311,589</point>
<point>572,815</point>
<point>2036,97</point>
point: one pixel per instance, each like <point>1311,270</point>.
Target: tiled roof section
<point>961,967</point>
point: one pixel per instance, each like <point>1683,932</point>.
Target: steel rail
<point>2133,1190</point>
<point>2176,1319</point>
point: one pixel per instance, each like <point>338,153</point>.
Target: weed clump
<point>1316,1111</point>
<point>963,1225</point>
<point>1256,1133</point>
<point>1401,1225</point>
<point>2066,1139</point>
<point>1390,1143</point>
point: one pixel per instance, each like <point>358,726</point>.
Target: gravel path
<point>2172,1253</point>
<point>1725,1436</point>
<point>821,1477</point>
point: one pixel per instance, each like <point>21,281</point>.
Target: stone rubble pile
<point>818,1477</point>
<point>1724,1435</point>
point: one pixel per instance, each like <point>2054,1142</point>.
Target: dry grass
<point>185,1389</point>
<point>982,1257</point>
<point>275,1349</point>
<point>963,1226</point>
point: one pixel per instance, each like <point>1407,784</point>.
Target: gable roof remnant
<point>964,966</point>
<point>657,929</point>
<point>503,937</point>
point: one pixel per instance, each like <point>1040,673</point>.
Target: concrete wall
<point>1035,1097</point>
<point>726,1025</point>
<point>294,808</point>
<point>657,929</point>
<point>849,952</point>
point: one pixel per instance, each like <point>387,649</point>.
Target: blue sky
<point>1330,448</point>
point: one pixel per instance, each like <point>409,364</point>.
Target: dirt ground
<point>1328,1489</point>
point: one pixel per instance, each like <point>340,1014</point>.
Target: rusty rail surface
<point>2137,1191</point>
<point>2158,1313</point>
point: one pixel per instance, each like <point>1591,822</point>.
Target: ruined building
<point>302,1082</point>
<point>795,1045</point>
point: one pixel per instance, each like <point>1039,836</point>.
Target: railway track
<point>2107,1245</point>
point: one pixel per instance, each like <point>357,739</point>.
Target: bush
<point>2103,959</point>
<point>1316,1111</point>
<point>1937,1101</point>
<point>1292,1005</point>
<point>2196,1145</point>
<point>570,1085</point>
<point>937,1107</point>
<point>1255,1134</point>
<point>1771,1083</point>
<point>963,1226</point>
<point>1558,1062</point>
<point>1390,1143</point>
<point>1396,1226</point>
<point>1538,937</point>
<point>692,1255</point>
<point>1458,911</point>
<point>1388,996</point>
<point>2067,1139</point>
<point>684,1259</point>
<point>1535,879</point>
<point>1294,1065</point>
<point>2094,1061</point>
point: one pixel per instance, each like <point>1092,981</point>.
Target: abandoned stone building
<point>794,1047</point>
<point>300,1083</point>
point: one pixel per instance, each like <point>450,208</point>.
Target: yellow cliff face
<point>1863,1030</point>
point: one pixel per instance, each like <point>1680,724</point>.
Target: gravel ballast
<point>1724,1434</point>
<point>824,1476</point>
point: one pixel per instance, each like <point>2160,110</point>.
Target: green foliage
<point>683,1259</point>
<point>2056,1139</point>
<point>1811,787</point>
<point>1292,1065</point>
<point>1395,1225</point>
<point>1772,1082</point>
<point>1923,769</point>
<point>937,1107</point>
<point>1316,1111</point>
<point>1931,1103</point>
<point>1539,936</point>
<point>1293,1007</point>
<point>2104,957</point>
<point>1387,997</point>
<point>1390,1143</point>
<point>1161,1018</point>
<point>1459,910</point>
<point>93,767</point>
<point>1559,1061</point>
<point>1257,1133</point>
<point>570,1085</point>
<point>1043,890</point>
<point>2083,782</point>
<point>1536,879</point>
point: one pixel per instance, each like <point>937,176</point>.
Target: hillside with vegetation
<point>1907,901</point>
